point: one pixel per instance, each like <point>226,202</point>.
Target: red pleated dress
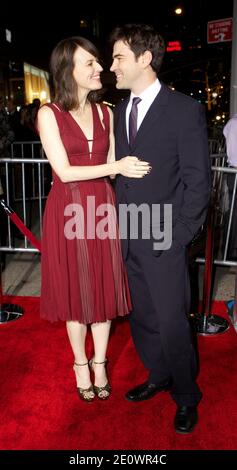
<point>83,277</point>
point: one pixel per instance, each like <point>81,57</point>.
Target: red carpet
<point>40,408</point>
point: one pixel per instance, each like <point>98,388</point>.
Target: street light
<point>178,11</point>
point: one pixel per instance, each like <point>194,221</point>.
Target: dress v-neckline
<point>90,150</point>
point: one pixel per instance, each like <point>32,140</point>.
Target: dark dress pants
<point>159,321</point>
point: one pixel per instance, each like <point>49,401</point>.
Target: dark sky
<point>36,29</point>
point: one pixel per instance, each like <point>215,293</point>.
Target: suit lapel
<point>122,123</point>
<point>153,115</point>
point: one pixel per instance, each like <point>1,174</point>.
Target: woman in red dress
<point>83,276</point>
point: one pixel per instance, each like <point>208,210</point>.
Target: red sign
<point>219,30</point>
<point>173,46</point>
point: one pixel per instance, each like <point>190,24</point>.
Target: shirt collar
<point>150,92</point>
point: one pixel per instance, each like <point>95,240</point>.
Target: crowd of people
<point>17,123</point>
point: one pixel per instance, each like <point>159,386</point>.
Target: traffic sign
<point>219,30</point>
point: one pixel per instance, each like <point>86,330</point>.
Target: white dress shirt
<point>147,98</point>
<point>230,133</point>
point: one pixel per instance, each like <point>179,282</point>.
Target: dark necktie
<point>132,123</point>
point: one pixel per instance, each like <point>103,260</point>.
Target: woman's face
<point>86,70</point>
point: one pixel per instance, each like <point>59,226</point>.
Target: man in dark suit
<point>167,129</point>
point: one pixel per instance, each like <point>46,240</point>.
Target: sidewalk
<point>22,277</point>
<point>22,274</point>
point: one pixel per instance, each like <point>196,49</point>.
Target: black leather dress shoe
<point>145,391</point>
<point>185,419</point>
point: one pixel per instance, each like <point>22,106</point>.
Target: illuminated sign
<point>173,46</point>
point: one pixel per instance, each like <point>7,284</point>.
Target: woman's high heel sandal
<point>86,394</point>
<point>102,393</point>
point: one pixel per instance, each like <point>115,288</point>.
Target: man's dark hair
<point>141,38</point>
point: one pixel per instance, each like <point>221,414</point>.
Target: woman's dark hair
<point>64,86</point>
<point>141,38</point>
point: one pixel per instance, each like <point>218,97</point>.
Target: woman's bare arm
<point>57,156</point>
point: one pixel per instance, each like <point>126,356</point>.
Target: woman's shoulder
<point>55,107</point>
<point>107,115</point>
<point>105,108</point>
<point>106,111</point>
<point>49,114</point>
<point>44,110</point>
<point>49,110</point>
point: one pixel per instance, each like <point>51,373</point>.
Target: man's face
<point>125,66</point>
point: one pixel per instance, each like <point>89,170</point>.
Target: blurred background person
<point>230,133</point>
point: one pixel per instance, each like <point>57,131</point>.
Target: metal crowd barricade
<point>22,205</point>
<point>28,150</point>
<point>217,146</point>
<point>206,322</point>
<point>12,179</point>
<point>27,183</point>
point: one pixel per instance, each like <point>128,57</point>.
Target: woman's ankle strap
<point>78,364</point>
<point>103,362</point>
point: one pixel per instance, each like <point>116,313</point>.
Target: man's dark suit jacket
<point>173,139</point>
